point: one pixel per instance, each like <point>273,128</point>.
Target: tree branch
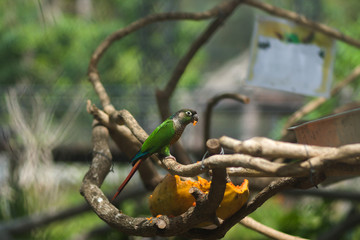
<point>318,159</point>
<point>312,105</point>
<point>300,19</point>
<point>265,230</point>
<point>163,96</point>
<point>268,148</point>
<point>119,34</point>
<point>128,138</point>
<point>29,223</point>
<point>163,226</point>
<point>271,190</point>
<point>212,103</point>
<point>251,157</point>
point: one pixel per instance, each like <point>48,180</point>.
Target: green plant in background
<point>49,47</point>
<point>46,54</point>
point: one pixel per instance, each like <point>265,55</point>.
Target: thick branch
<point>268,148</point>
<point>163,226</point>
<point>30,223</point>
<point>255,161</point>
<point>271,190</point>
<point>118,118</point>
<point>219,181</point>
<point>323,159</point>
<point>128,140</point>
<point>334,169</point>
<point>180,225</point>
<point>102,160</point>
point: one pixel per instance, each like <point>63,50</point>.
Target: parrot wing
<point>159,138</point>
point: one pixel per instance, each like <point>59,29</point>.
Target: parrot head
<point>186,116</point>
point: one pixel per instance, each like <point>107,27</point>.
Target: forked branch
<point>251,158</point>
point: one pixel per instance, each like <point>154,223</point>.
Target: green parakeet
<point>160,139</point>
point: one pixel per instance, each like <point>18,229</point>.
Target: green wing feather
<point>159,138</point>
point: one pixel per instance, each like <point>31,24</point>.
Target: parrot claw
<point>202,160</point>
<point>171,156</point>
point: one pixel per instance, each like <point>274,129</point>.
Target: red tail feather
<point>127,179</point>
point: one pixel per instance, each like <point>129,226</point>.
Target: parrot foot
<point>171,156</point>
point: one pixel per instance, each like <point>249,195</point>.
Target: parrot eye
<point>188,113</point>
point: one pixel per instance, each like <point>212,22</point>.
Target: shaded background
<point>45,140</point>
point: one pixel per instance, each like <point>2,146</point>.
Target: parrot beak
<point>195,119</point>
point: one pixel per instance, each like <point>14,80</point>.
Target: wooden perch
<point>273,188</point>
<point>257,150</point>
<point>252,157</point>
<point>128,140</point>
<point>205,205</point>
<point>163,226</point>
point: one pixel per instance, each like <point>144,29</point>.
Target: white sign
<point>289,57</point>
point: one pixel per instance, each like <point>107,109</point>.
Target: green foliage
<point>347,21</point>
<point>51,51</point>
<point>13,208</point>
<point>55,51</point>
<point>308,218</point>
<point>49,48</point>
